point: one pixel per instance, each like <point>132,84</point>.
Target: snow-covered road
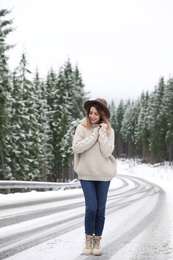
<point>49,225</point>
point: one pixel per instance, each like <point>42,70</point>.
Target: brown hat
<point>99,101</point>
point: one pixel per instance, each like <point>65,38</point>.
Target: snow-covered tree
<point>156,123</point>
<point>129,127</point>
<point>45,155</point>
<point>167,114</point>
<point>119,142</point>
<point>27,153</point>
<point>142,133</point>
<point>5,96</point>
<point>51,96</point>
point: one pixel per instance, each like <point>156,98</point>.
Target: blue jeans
<point>95,193</point>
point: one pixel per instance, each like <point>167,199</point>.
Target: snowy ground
<point>69,246</point>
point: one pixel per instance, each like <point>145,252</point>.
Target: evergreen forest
<point>38,118</point>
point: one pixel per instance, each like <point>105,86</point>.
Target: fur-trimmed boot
<point>96,245</point>
<point>88,245</point>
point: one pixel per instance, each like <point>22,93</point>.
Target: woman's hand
<point>103,128</point>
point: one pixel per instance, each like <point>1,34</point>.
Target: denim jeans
<point>95,193</point>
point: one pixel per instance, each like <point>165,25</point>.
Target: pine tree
<point>129,127</point>
<point>51,96</point>
<point>26,142</point>
<point>5,96</point>
<point>167,115</point>
<point>143,133</point>
<point>60,123</point>
<point>66,91</point>
<point>156,123</point>
<point>45,155</point>
<point>119,142</point>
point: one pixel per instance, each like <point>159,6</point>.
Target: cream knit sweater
<point>93,159</point>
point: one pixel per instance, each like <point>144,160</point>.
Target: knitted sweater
<point>93,159</point>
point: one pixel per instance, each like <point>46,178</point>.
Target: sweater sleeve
<point>82,143</point>
<point>106,142</point>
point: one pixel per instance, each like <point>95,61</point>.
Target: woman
<point>95,166</point>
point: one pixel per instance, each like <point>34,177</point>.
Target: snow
<point>64,247</point>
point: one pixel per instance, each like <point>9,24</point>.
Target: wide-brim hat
<point>99,101</point>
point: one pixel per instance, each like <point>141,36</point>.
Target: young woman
<point>95,166</point>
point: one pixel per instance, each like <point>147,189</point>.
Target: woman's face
<point>94,116</point>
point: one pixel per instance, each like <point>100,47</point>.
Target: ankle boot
<point>88,246</point>
<point>96,246</point>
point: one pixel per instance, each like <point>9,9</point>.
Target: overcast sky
<point>122,47</point>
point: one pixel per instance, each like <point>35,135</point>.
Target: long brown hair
<point>103,117</point>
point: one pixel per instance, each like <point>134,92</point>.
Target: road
<point>135,225</point>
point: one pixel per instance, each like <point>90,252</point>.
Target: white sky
<point>122,47</point>
<point>160,175</point>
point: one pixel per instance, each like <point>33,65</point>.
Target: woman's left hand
<point>103,128</point>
